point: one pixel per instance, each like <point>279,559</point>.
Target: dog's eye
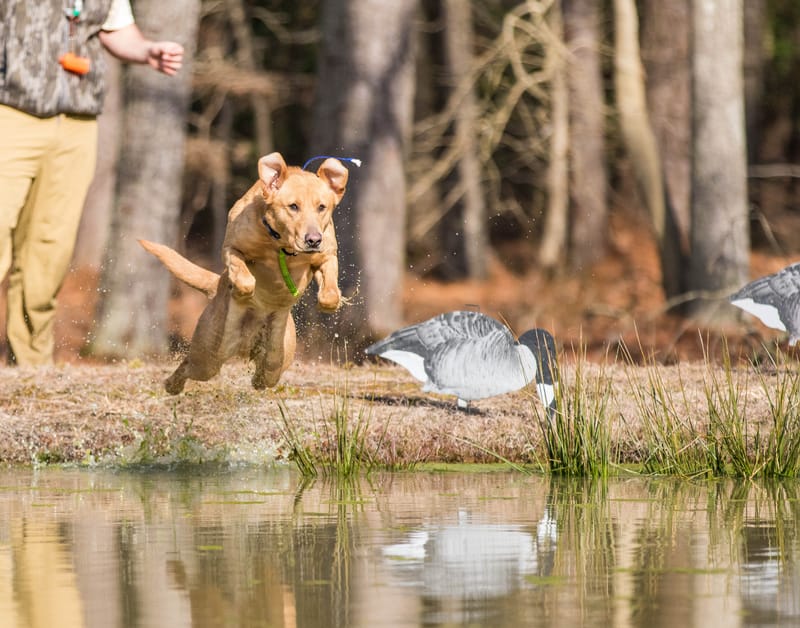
<point>294,207</point>
<point>321,208</point>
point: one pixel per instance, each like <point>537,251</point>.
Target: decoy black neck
<point>543,348</point>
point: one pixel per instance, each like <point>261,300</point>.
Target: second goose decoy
<point>473,356</point>
<point>774,300</point>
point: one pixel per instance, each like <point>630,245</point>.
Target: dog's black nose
<point>313,240</point>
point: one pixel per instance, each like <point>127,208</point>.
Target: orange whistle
<point>75,64</point>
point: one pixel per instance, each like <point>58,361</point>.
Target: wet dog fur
<point>249,314</point>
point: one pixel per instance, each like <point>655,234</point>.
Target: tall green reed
<point>729,428</point>
<point>577,435</point>
<point>671,442</point>
<point>340,444</point>
<point>726,436</point>
<point>783,397</point>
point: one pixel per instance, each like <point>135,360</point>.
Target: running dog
<point>279,235</point>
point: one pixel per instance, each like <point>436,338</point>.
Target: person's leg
<point>45,238</point>
<point>24,140</point>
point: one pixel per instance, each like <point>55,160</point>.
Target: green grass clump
<point>783,442</point>
<point>727,440</point>
<point>576,437</point>
<point>669,431</point>
<point>341,442</point>
<point>299,452</point>
<point>743,447</point>
<point>728,428</point>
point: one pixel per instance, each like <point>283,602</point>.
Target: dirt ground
<point>84,411</point>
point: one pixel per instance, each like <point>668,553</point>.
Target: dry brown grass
<point>120,413</point>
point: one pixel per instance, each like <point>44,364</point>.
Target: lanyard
<point>71,61</point>
<point>287,278</point>
<point>74,12</point>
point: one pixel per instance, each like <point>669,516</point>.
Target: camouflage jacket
<point>33,35</point>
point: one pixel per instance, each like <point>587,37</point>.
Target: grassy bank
<point>727,418</point>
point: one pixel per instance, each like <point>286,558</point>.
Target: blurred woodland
<point>509,147</point>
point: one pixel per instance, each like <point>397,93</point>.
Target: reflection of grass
<point>580,509</point>
<point>546,580</point>
<point>664,571</point>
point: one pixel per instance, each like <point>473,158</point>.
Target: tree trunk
<point>132,316</point>
<point>556,222</point>
<point>754,18</point>
<point>96,219</point>
<point>719,232</point>
<point>666,28</point>
<point>364,110</point>
<point>640,143</point>
<point>464,231</point>
<point>220,186</point>
<point>246,58</point>
<point>587,123</point>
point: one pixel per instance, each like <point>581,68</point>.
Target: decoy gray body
<point>472,356</point>
<point>774,300</point>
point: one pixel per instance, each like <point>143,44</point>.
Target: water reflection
<point>471,561</point>
<point>257,547</point>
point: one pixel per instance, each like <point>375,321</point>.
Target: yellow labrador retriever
<point>279,235</point>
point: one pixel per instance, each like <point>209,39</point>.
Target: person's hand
<point>165,56</point>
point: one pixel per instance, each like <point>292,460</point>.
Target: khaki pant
<point>46,165</point>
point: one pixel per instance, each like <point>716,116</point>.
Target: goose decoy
<point>473,356</point>
<point>774,300</point>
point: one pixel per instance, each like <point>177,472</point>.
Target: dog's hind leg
<point>175,382</point>
<point>190,369</point>
<point>271,355</point>
<point>207,352</point>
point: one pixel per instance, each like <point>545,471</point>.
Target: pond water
<point>259,547</point>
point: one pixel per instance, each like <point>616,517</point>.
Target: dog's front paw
<point>329,301</point>
<point>243,286</point>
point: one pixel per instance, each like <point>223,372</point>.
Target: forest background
<point>609,170</point>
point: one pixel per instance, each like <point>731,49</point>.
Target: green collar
<point>287,278</point>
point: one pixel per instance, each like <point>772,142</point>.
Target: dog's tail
<point>188,272</point>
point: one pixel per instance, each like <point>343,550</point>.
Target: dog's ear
<point>335,174</point>
<point>272,171</point>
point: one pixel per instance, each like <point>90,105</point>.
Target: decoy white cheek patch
<point>547,393</point>
<point>528,363</point>
<point>767,314</point>
<point>415,364</point>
